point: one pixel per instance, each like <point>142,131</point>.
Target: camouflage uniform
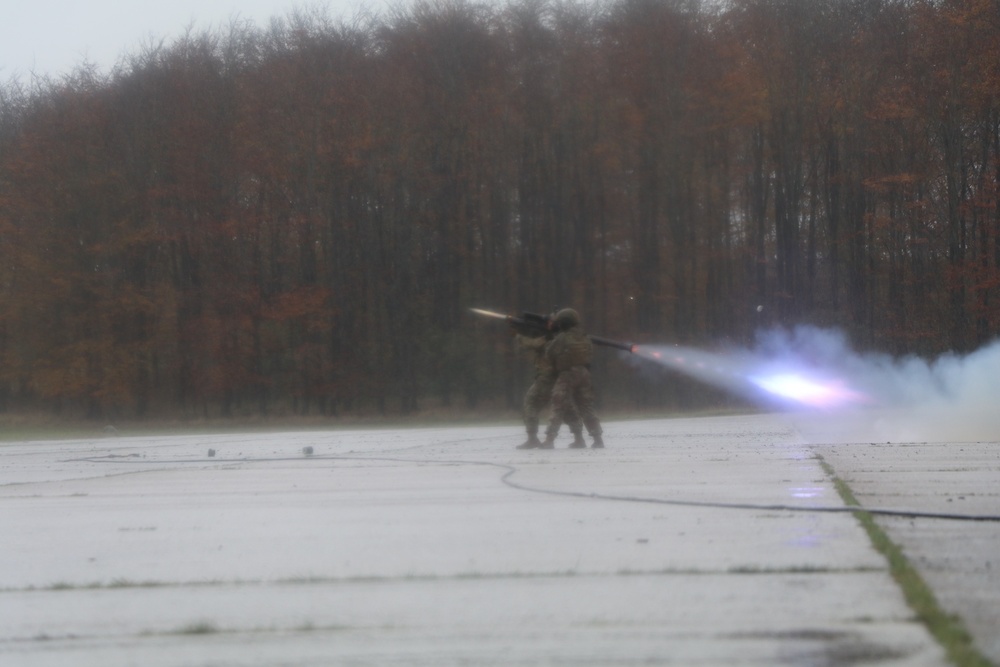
<point>539,395</point>
<point>573,394</point>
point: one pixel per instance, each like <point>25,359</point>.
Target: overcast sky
<point>51,37</point>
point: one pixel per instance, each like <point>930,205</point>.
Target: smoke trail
<point>839,395</point>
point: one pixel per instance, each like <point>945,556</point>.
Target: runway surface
<point>709,541</point>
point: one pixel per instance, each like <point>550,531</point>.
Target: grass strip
<point>947,629</point>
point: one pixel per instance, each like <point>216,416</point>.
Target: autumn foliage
<point>297,217</point>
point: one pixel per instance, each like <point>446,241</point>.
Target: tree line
<point>297,217</point>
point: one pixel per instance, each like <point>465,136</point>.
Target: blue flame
<point>792,382</point>
<point>851,396</point>
<point>812,392</point>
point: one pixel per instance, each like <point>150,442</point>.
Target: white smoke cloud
<point>839,395</point>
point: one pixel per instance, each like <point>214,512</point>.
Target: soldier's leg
<point>556,420</point>
<point>579,375</point>
<point>566,406</point>
<point>585,400</point>
<point>535,400</point>
<point>563,410</point>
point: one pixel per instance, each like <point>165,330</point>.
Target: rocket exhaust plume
<point>839,395</point>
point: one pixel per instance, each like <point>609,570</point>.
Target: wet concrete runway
<point>959,560</point>
<point>680,544</point>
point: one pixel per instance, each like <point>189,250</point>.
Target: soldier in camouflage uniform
<point>539,395</point>
<point>570,353</point>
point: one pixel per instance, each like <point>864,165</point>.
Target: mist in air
<point>836,394</point>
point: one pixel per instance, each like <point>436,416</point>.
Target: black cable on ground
<point>512,470</point>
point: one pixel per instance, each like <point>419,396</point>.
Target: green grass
<point>947,629</point>
<point>198,628</point>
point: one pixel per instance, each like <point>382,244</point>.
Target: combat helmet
<point>566,318</point>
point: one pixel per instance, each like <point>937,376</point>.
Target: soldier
<point>539,394</point>
<point>570,353</point>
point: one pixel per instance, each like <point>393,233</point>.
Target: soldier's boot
<point>531,443</point>
<point>598,442</point>
<point>578,442</point>
<point>549,443</point>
